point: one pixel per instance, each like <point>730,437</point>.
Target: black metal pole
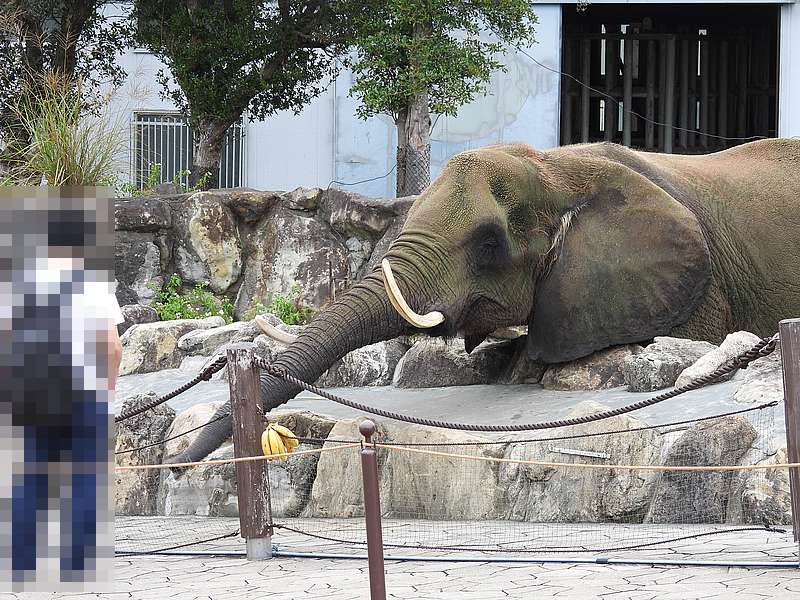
<point>372,513</point>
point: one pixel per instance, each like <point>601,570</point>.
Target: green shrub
<point>196,303</point>
<point>128,189</point>
<point>291,310</point>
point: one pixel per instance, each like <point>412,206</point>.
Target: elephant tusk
<point>432,319</point>
<point>273,332</point>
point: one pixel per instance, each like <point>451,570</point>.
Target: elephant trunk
<point>360,317</point>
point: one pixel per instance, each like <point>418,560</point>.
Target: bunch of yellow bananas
<point>277,439</point>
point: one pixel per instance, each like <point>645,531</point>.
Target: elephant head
<point>586,251</point>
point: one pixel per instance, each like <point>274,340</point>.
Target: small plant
<point>197,303</point>
<point>128,189</point>
<point>291,310</point>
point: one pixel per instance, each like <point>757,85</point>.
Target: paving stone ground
<point>161,577</point>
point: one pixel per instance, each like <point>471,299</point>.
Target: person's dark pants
<point>83,442</point>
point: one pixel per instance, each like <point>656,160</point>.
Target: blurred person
<point>67,353</point>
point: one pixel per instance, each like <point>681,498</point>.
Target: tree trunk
<point>414,141</point>
<point>208,140</point>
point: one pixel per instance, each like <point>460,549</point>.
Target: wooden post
<point>627,94</point>
<point>650,103</point>
<point>790,351</point>
<point>586,79</point>
<point>669,101</point>
<point>251,476</point>
<point>372,513</point>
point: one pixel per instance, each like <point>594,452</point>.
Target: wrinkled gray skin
<point>591,245</point>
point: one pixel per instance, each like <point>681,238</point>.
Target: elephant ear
<point>632,265</point>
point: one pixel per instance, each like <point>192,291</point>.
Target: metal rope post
<point>251,476</point>
<point>372,513</point>
<point>790,351</point>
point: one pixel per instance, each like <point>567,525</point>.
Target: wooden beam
<point>790,352</point>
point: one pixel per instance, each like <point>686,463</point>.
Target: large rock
<point>762,381</point>
<point>701,496</point>
<point>762,496</point>
<point>137,267</point>
<point>521,369</point>
<point>303,198</point>
<point>247,204</point>
<point>206,342</point>
<point>208,248</point>
<point>558,494</point>
<point>733,345</point>
<point>135,314</point>
<point>599,371</point>
<point>135,492</point>
<point>371,365</point>
<point>434,362</point>
<point>149,347</point>
<point>141,214</point>
<point>290,249</point>
<point>659,365</point>
<point>186,421</point>
<point>351,214</point>
<point>410,484</point>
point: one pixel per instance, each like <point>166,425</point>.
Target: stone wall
<point>246,244</point>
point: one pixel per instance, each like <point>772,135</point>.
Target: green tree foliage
<point>418,57</point>
<point>73,39</point>
<point>236,55</point>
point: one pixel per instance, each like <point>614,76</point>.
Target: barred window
<point>162,150</point>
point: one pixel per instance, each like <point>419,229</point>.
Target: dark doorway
<point>709,71</point>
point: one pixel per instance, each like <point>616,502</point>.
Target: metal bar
<point>790,352</point>
<point>742,60</point>
<point>722,103</point>
<point>586,79</point>
<point>251,476</point>
<point>372,513</point>
<point>650,102</point>
<point>627,99</point>
<point>683,134</point>
<point>586,453</point>
<point>692,74</point>
<point>612,52</point>
<point>669,100</point>
<point>566,98</point>
<point>704,70</point>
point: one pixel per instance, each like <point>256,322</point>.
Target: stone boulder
<point>440,488</point>
<point>141,214</point>
<point>207,244</point>
<point>137,267</point>
<point>187,420</point>
<point>135,492</point>
<point>733,345</point>
<point>659,365</point>
<point>762,496</point>
<point>371,365</point>
<point>291,249</point>
<point>149,347</point>
<point>599,371</point>
<point>553,494</point>
<point>303,198</point>
<point>434,362</point>
<point>701,496</point>
<point>351,214</point>
<point>521,369</point>
<point>762,381</point>
<point>135,314</point>
<point>205,342</point>
<point>247,204</point>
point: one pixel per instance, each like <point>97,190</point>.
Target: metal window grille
<point>164,141</point>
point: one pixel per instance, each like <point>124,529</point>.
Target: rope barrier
<point>764,348</point>
<point>204,375</point>
<point>557,465</point>
<point>223,461</point>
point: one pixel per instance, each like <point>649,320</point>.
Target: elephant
<point>589,245</point>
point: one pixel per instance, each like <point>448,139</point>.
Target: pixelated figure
<point>55,385</point>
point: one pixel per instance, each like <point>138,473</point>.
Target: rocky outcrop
<point>659,365</point>
<point>247,244</point>
<point>598,371</point>
<point>205,342</point>
<point>762,381</point>
<point>135,314</point>
<point>135,492</point>
<point>733,345</point>
<point>702,494</point>
<point>435,362</point>
<point>550,494</point>
<point>761,497</point>
<point>371,365</point>
<point>149,347</point>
